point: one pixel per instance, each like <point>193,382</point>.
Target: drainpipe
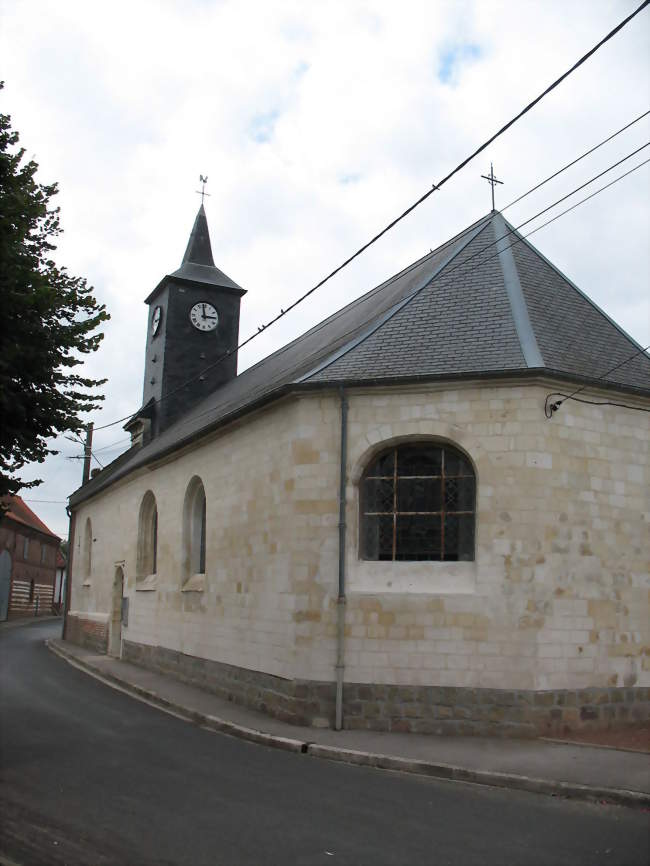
<point>340,605</point>
<point>68,569</point>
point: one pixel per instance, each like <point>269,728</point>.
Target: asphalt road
<point>91,777</point>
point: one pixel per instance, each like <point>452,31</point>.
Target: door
<point>115,642</point>
<point>5,583</point>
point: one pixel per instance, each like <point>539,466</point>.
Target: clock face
<point>204,316</point>
<point>155,320</point>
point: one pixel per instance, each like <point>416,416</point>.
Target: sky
<point>316,124</point>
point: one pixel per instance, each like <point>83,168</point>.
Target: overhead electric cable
<point>111,444</point>
<point>583,200</point>
<point>575,161</point>
<point>518,240</point>
<point>483,249</point>
<point>549,410</point>
<point>74,438</point>
<point>425,196</point>
<point>511,231</point>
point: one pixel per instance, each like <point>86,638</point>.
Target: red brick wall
<point>88,633</point>
<point>22,599</point>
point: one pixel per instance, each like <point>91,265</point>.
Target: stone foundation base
<point>416,709</point>
<point>91,633</point>
<point>296,701</point>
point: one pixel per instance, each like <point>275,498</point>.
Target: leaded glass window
<point>418,503</point>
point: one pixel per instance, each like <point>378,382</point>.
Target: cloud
<point>455,56</point>
<point>262,126</point>
<point>316,127</point>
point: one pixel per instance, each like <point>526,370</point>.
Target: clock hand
<point>203,308</point>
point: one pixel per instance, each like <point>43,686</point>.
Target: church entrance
<point>5,583</point>
<point>115,640</point>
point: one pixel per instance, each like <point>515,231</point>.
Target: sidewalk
<point>29,620</point>
<point>581,772</point>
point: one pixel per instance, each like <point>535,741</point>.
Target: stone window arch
<point>417,502</point>
<point>147,560</point>
<point>87,551</point>
<point>194,530</point>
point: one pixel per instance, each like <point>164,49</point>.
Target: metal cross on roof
<point>202,192</point>
<point>493,181</point>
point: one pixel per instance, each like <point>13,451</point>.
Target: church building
<point>428,513</point>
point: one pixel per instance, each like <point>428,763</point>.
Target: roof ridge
<point>333,316</point>
<point>28,517</point>
<point>377,324</point>
<point>518,306</point>
<point>523,239</point>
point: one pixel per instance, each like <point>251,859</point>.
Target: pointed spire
<point>199,250</point>
<point>198,265</point>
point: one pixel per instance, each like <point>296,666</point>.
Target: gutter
<point>99,484</point>
<point>341,600</point>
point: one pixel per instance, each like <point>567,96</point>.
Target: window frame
<point>443,512</point>
<point>147,543</point>
<point>87,552</point>
<point>194,536</point>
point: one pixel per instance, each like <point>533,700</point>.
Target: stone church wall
<point>548,629</point>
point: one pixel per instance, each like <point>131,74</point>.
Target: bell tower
<point>192,335</point>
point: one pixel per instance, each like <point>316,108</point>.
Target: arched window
<point>194,529</point>
<point>147,536</point>
<point>87,557</point>
<point>417,503</point>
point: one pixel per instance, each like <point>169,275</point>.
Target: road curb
<point>9,624</point>
<point>448,772</point>
<point>492,778</point>
<point>214,723</point>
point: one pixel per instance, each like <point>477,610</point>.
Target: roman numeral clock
<point>204,316</point>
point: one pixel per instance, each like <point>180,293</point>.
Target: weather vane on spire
<point>493,181</point>
<point>202,192</point>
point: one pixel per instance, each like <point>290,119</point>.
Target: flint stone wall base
<point>406,709</point>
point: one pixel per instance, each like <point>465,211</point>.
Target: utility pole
<point>87,453</point>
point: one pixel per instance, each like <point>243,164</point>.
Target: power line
<point>510,232</point>
<point>583,200</point>
<point>573,162</point>
<point>111,444</point>
<point>595,177</point>
<point>435,187</point>
<point>550,409</point>
<point>480,264</point>
<point>543,211</point>
<point>92,453</point>
<point>553,407</point>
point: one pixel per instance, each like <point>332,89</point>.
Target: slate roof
<point>484,304</point>
<point>20,512</point>
<point>198,264</point>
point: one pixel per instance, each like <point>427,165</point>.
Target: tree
<point>48,322</point>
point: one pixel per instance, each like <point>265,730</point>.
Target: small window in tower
<point>25,548</point>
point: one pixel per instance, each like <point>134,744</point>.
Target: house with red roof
<point>28,561</point>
